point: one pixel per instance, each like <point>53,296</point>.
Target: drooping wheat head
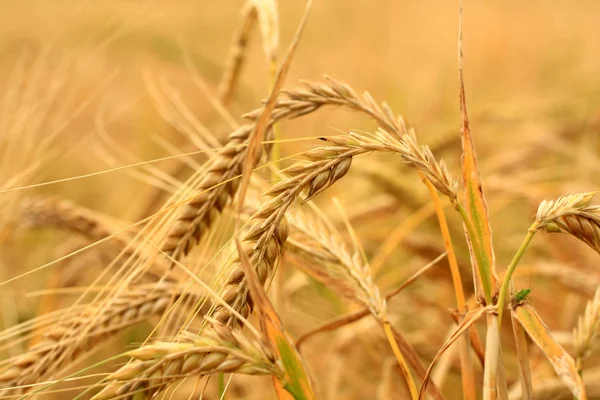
<point>218,349</point>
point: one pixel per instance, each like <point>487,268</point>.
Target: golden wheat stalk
<point>219,349</point>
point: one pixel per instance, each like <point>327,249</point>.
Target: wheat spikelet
<point>72,337</point>
<point>219,349</point>
<point>214,194</point>
<point>586,330</point>
<point>572,214</point>
<point>334,92</point>
<point>551,210</point>
<point>199,214</point>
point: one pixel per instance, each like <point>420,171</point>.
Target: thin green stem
<point>482,265</point>
<point>511,268</point>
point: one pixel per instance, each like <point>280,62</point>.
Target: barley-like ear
<point>264,240</point>
<point>218,349</point>
<point>74,336</point>
<point>586,331</point>
<point>572,214</point>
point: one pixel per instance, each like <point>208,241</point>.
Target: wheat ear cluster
<point>218,349</point>
<point>219,185</point>
<point>80,333</point>
<point>263,242</point>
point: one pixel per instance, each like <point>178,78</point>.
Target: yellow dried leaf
<point>563,363</point>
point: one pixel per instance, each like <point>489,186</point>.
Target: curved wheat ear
<point>586,331</point>
<point>219,185</point>
<point>73,337</point>
<point>344,269</point>
<point>66,215</point>
<point>572,214</point>
<point>219,349</point>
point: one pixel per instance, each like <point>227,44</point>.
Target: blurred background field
<point>74,73</point>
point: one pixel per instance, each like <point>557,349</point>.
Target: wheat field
<point>299,200</point>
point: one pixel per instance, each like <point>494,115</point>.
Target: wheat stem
<point>511,268</point>
<point>414,393</point>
